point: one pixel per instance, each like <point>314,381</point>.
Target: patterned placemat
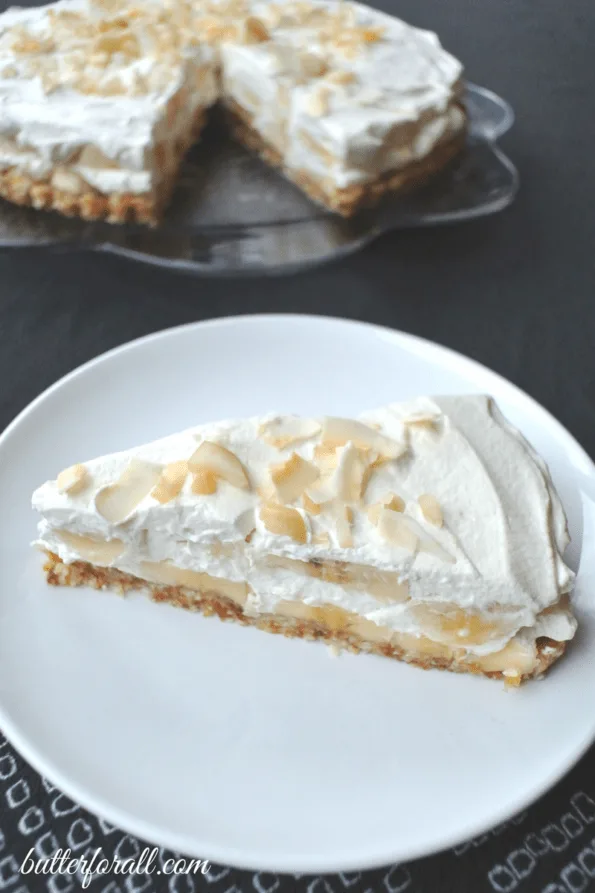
<point>549,848</point>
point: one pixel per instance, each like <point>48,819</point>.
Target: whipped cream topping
<point>64,88</point>
<point>385,97</point>
<point>497,553</point>
<point>342,90</point>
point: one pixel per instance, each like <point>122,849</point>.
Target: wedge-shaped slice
<point>442,548</point>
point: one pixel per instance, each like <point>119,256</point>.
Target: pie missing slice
<point>101,99</point>
<point>428,531</point>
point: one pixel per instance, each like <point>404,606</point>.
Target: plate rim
<point>233,856</point>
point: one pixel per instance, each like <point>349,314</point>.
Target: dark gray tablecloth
<point>516,291</point>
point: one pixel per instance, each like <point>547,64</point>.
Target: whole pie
<point>101,99</point>
<point>427,531</point>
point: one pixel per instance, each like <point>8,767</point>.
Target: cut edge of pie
<point>515,664</point>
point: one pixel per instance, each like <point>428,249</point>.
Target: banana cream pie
<point>100,99</point>
<point>427,531</point>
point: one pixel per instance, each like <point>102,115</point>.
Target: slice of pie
<point>100,99</point>
<point>428,531</point>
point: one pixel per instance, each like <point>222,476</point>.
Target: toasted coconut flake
<point>326,458</point>
<point>317,103</point>
<point>171,482</point>
<point>394,502</point>
<point>292,477</point>
<point>284,521</point>
<point>102,552</point>
<point>373,512</point>
<point>371,35</point>
<point>337,432</point>
<point>313,65</point>
<point>393,527</point>
<point>221,462</point>
<point>343,518</point>
<point>427,543</point>
<point>117,501</point>
<point>422,414</point>
<point>431,510</point>
<point>313,508</point>
<point>321,539</point>
<point>204,483</point>
<point>422,422</point>
<point>73,480</point>
<point>390,501</point>
<point>340,77</point>
<point>255,30</point>
<point>284,431</point>
<point>348,481</point>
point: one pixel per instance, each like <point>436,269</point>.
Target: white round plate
<point>246,748</point>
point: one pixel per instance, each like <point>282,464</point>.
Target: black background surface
<point>515,291</point>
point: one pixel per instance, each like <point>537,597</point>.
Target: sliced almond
<point>292,477</point>
<point>337,432</point>
<point>170,482</point>
<point>72,480</point>
<point>170,575</point>
<point>117,501</point>
<point>221,462</point>
<point>284,521</point>
<point>204,483</point>
<point>393,527</point>
<point>102,552</point>
<point>431,510</point>
<point>284,431</point>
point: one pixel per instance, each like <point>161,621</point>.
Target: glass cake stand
<point>231,215</point>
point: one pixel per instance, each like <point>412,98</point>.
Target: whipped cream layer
<point>341,90</point>
<point>494,550</point>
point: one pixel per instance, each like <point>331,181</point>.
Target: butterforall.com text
<point>63,862</point>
